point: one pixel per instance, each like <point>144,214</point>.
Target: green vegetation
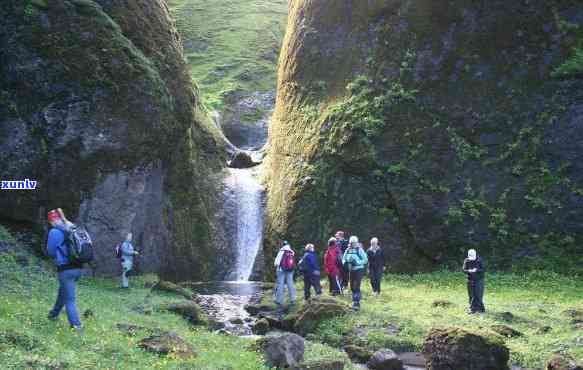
<point>401,317</point>
<point>5,235</point>
<point>231,45</point>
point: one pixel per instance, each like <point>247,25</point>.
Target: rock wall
<point>97,105</point>
<point>434,126</point>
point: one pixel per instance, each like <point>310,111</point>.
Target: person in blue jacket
<point>355,260</point>
<point>68,273</point>
<point>311,270</point>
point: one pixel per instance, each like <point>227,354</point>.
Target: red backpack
<point>288,262</point>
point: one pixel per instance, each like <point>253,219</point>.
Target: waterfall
<point>245,198</point>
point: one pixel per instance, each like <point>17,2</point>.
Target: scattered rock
<point>442,304</point>
<point>321,365</point>
<point>506,331</point>
<point>214,324</point>
<point>241,159</point>
<point>88,314</point>
<point>385,359</point>
<point>506,316</point>
<point>166,286</point>
<point>288,322</point>
<point>144,309</point>
<point>261,327</point>
<point>578,326</point>
<point>166,343</point>
<point>575,314</point>
<point>190,311</point>
<point>274,320</point>
<point>315,311</point>
<point>392,330</point>
<point>358,354</point>
<point>456,348</point>
<point>36,362</point>
<point>20,340</point>
<point>544,330</point>
<point>562,362</point>
<point>286,350</point>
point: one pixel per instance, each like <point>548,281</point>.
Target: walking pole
<point>339,285</point>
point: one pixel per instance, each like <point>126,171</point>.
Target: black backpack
<point>79,245</point>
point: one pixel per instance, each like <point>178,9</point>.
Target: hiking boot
<point>52,318</point>
<point>77,329</point>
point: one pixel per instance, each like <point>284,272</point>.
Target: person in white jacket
<point>127,260</point>
<point>284,269</point>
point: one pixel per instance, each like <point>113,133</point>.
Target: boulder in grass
<point>167,286</point>
<point>190,311</point>
<point>442,304</point>
<point>576,315</point>
<point>316,310</point>
<point>461,349</point>
<point>261,327</point>
<point>168,343</point>
<point>562,362</point>
<point>385,359</point>
<point>506,331</point>
<point>358,354</point>
<point>282,351</point>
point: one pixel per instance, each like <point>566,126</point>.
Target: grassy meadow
<point>231,46</point>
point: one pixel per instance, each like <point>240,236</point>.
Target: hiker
<point>311,270</point>
<point>285,265</point>
<point>343,245</point>
<point>127,260</point>
<point>376,265</point>
<point>355,260</point>
<point>68,272</point>
<point>474,268</point>
<point>333,266</point>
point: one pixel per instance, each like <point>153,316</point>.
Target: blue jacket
<point>56,247</point>
<point>356,258</point>
<point>311,262</point>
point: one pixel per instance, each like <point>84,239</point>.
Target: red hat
<point>53,216</point>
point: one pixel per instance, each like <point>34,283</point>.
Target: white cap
<point>353,239</point>
<point>472,255</point>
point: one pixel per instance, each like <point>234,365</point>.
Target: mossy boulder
<point>461,349</point>
<point>576,315</point>
<point>190,311</point>
<point>282,350</point>
<point>316,310</point>
<point>506,331</point>
<point>385,359</point>
<point>357,353</point>
<point>168,343</point>
<point>170,287</point>
<point>261,327</point>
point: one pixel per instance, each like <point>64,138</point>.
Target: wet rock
<point>321,365</point>
<point>442,304</point>
<point>315,311</point>
<point>460,349</point>
<point>286,350</point>
<point>506,331</point>
<point>168,343</point>
<point>167,286</point>
<point>241,159</point>
<point>190,311</point>
<point>261,327</point>
<point>275,321</point>
<point>236,321</point>
<point>214,324</point>
<point>385,359</point>
<point>288,322</point>
<point>358,354</point>
<point>255,309</point>
<point>562,362</point>
<point>415,359</point>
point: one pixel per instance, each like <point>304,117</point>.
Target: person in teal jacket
<point>355,260</point>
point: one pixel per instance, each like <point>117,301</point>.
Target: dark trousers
<point>311,280</point>
<point>335,284</point>
<point>476,295</point>
<point>355,280</point>
<point>345,277</point>
<point>376,275</point>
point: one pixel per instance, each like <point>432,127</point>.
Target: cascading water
<point>246,207</point>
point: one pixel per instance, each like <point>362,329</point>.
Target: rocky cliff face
<point>97,105</point>
<point>436,126</point>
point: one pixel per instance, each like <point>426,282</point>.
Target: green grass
<point>5,235</point>
<point>535,299</point>
<point>235,44</point>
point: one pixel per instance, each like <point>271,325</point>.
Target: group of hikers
<point>344,262</point>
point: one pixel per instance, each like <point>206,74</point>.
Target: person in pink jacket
<point>332,266</point>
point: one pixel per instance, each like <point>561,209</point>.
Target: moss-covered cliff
<point>98,106</point>
<point>434,126</point>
